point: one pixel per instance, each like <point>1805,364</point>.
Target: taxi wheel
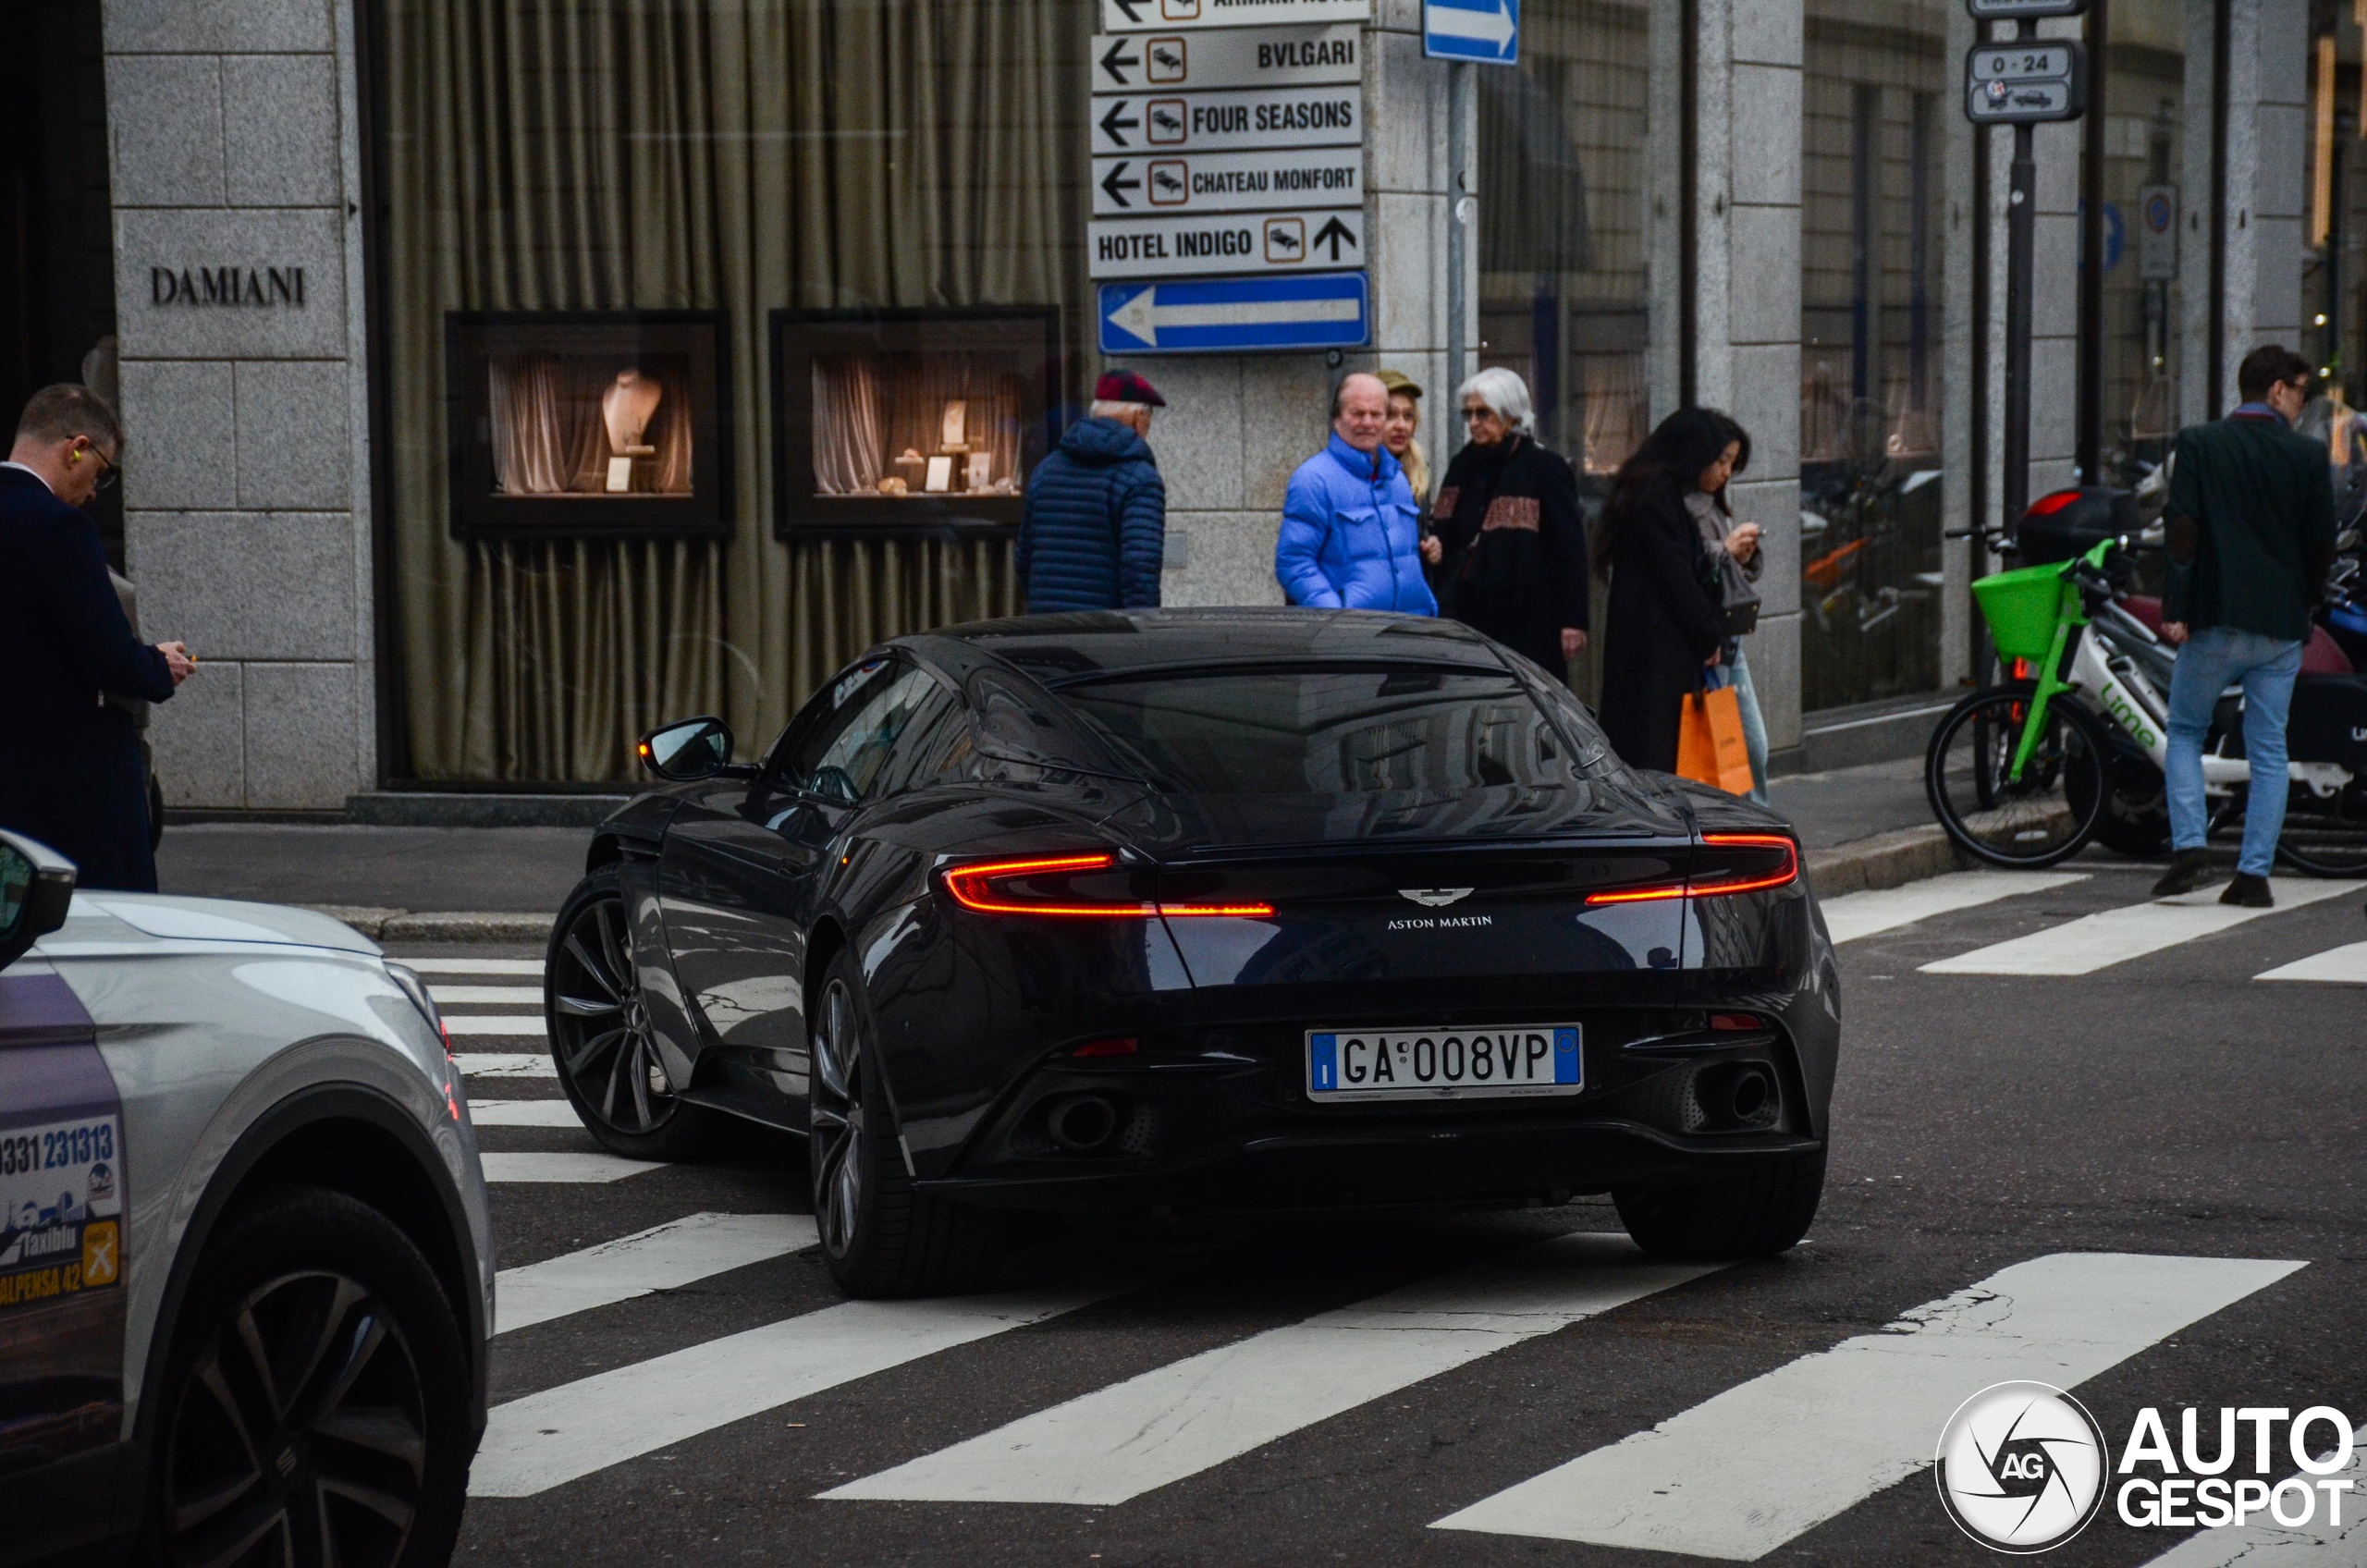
<point>1761,1207</point>
<point>880,1237</point>
<point>603,1044</point>
<point>315,1403</point>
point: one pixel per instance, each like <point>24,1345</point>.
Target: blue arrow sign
<point>1231,314</point>
<point>1485,31</point>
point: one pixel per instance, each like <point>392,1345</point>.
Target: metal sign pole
<point>2021,233</point>
<point>1458,233</point>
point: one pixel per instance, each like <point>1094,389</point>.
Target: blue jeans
<point>1754,727</point>
<point>2214,658</point>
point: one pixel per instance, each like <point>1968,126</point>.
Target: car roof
<point>1062,647</point>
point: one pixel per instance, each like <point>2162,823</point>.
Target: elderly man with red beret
<point>1096,526</point>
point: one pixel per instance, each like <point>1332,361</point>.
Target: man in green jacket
<point>2251,535</point>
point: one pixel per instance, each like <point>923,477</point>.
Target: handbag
<point>1710,747</point>
<point>1737,596</point>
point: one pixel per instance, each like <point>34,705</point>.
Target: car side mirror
<point>687,750</point>
<point>36,886</point>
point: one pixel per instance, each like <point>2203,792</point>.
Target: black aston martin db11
<point>1197,912</point>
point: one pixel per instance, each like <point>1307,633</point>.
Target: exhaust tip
<point>1081,1123</point>
<point>1731,1097</point>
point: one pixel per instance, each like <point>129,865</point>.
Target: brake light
<point>1716,885</point>
<point>1124,1044</point>
<point>1733,1022</point>
<point>2047,506</point>
<point>987,888</point>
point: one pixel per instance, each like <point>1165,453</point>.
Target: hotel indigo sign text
<point>227,285</point>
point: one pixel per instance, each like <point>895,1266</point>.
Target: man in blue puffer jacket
<point>1351,534</point>
<point>1095,530</point>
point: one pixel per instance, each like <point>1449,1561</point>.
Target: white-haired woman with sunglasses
<point>1511,551</point>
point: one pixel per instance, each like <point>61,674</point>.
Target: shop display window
<point>598,425</point>
<point>895,421</point>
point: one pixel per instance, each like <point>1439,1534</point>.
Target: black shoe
<point>2187,870</point>
<point>2250,891</point>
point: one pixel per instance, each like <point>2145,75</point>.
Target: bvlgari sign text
<point>264,286</point>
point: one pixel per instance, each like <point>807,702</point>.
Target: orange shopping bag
<point>1709,740</point>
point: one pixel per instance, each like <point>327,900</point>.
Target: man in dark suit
<point>70,773</point>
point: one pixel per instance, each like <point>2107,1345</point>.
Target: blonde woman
<point>1404,422</point>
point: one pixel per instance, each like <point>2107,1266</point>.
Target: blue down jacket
<point>1350,535</point>
<point>1096,526</point>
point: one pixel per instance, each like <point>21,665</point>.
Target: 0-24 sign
<point>2025,82</point>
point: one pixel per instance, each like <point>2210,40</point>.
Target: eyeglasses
<point>1470,414</point>
<point>109,469</point>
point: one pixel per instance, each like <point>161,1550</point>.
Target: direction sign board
<point>1199,62</point>
<point>1487,31</point>
<point>1140,15</point>
<point>1223,122</point>
<point>1293,241</point>
<point>1233,314</point>
<point>1229,182</point>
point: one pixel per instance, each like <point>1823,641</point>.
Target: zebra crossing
<point>1734,1478</point>
<point>1816,1435</point>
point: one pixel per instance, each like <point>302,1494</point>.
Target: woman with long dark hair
<point>1666,622</point>
<point>1510,549</point>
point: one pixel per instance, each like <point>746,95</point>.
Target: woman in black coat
<point>1511,553</point>
<point>1665,621</point>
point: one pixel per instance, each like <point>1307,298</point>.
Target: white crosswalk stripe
<point>1737,1477</point>
<point>533,966</point>
<point>1180,1419</point>
<point>523,1113</point>
<point>486,996</point>
<point>519,1026</point>
<point>561,1434</point>
<point>2115,935</point>
<point>504,1064</point>
<point>665,1258</point>
<point>2320,1543</point>
<point>2346,965</point>
<point>1854,916</point>
<point>568,1167</point>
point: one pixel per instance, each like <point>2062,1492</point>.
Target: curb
<point>418,925</point>
<point>1887,860</point>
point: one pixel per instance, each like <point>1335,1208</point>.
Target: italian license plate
<point>1443,1064</point>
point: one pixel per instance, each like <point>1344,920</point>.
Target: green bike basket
<point>2022,606</point>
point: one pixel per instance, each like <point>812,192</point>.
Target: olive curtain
<point>609,154</point>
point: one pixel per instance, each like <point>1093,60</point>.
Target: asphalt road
<point>2169,1105</point>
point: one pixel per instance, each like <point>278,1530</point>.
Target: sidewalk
<point>1863,827</point>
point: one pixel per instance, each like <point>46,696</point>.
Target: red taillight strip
<point>1789,872</point>
<point>970,886</point>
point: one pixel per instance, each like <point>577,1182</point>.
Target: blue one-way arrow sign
<point>1231,314</point>
<point>1485,31</point>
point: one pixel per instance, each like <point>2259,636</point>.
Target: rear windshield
<point>1327,731</point>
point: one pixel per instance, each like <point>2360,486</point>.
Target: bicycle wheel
<point>2325,835</point>
<point>2047,815</point>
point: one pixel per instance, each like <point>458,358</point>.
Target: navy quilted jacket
<point>1096,528</point>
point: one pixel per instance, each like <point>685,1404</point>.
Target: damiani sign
<point>226,286</point>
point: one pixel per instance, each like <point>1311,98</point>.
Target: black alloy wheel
<point>835,1147</point>
<point>601,1042</point>
<point>316,1401</point>
<point>880,1237</point>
